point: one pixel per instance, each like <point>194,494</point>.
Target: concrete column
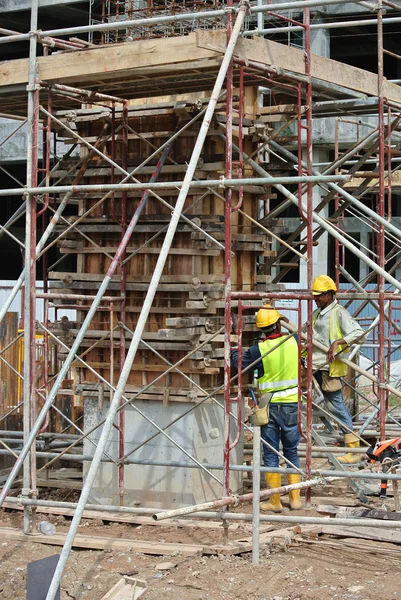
<point>320,44</point>
<point>320,252</point>
<point>320,39</point>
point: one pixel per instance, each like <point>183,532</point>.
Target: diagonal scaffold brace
<point>78,341</point>
<point>115,402</point>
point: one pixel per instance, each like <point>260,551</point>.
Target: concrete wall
<point>164,487</point>
<point>14,150</point>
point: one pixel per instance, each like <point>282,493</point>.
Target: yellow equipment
<point>267,316</point>
<point>322,284</point>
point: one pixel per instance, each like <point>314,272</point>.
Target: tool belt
<point>260,414</point>
<point>330,384</point>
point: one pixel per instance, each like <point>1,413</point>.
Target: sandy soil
<point>306,571</point>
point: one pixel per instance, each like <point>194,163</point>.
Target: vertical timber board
<point>8,378</point>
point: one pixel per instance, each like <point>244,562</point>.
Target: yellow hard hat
<point>322,284</point>
<point>267,316</point>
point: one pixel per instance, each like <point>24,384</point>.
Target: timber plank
<point>137,278</point>
<point>113,250</point>
<point>60,483</point>
<point>103,543</point>
<point>293,59</point>
<point>172,54</point>
<point>107,62</point>
<point>362,513</point>
<point>130,518</point>
<point>154,548</point>
<point>337,501</point>
<point>369,533</point>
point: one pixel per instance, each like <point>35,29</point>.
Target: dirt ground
<point>313,571</point>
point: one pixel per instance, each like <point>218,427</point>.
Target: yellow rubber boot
<point>273,480</point>
<point>351,441</point>
<point>295,495</point>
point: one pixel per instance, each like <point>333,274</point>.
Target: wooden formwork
<point>10,365</point>
<point>189,303</point>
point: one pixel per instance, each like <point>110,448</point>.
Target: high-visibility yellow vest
<point>280,370</point>
<point>337,368</point>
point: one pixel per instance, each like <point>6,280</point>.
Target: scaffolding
<point>237,110</point>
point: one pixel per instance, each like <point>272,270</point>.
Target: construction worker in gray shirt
<point>334,327</point>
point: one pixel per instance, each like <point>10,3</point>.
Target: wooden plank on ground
<point>335,500</point>
<point>124,544</point>
<point>65,473</point>
<point>59,483</point>
<point>348,512</point>
<point>135,519</point>
<point>103,543</point>
<point>244,544</point>
<point>127,588</point>
<point>351,544</point>
<point>368,533</point>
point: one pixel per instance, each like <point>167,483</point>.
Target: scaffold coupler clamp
<point>323,480</point>
<point>236,500</point>
<point>246,4</point>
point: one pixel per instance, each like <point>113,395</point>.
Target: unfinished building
<point>166,169</point>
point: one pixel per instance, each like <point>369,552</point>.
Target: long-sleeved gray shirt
<point>350,332</point>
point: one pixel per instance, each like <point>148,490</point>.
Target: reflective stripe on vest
<point>336,368</point>
<point>289,395</point>
<point>273,385</point>
<point>280,369</point>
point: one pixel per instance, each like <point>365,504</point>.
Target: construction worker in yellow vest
<point>334,327</point>
<point>277,377</point>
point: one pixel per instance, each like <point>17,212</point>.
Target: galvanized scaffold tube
<point>46,234</point>
<point>224,516</point>
<point>323,223</point>
<point>164,251</point>
<point>291,327</point>
<point>335,187</point>
<point>210,14</point>
<point>29,472</point>
<point>166,185</point>
<point>317,26</point>
<point>80,336</point>
<point>256,496</point>
<point>380,208</point>
<point>234,500</point>
<point>308,211</point>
